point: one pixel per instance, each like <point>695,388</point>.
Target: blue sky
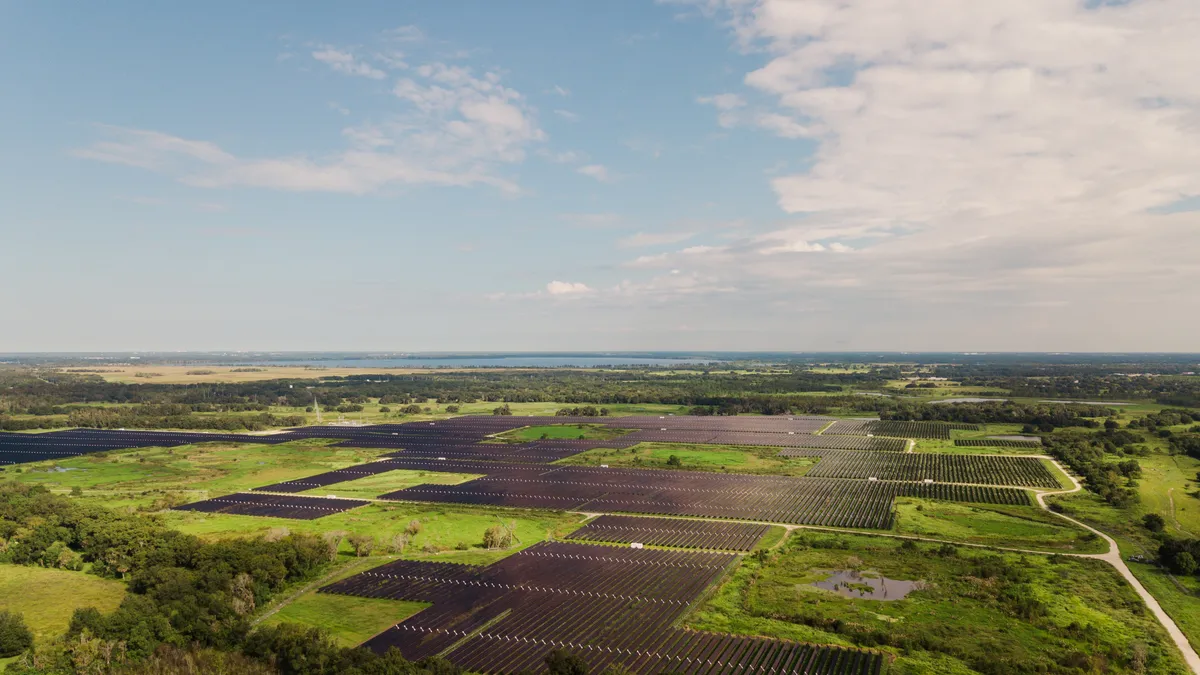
<point>750,174</point>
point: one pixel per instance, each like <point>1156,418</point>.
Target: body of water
<point>854,584</point>
<point>499,362</point>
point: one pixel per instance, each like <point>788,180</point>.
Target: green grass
<point>139,477</point>
<point>349,620</point>
<point>1179,603</point>
<point>1124,525</point>
<point>1025,527</point>
<point>697,457</point>
<point>48,597</point>
<point>948,447</point>
<point>371,487</point>
<point>591,432</point>
<point>443,528</point>
<point>1030,612</point>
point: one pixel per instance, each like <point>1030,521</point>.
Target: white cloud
<point>795,246</point>
<point>345,62</point>
<point>405,34</point>
<point>456,128</point>
<point>567,288</point>
<point>597,171</point>
<point>997,147</point>
<point>561,91</point>
<point>724,102</point>
<point>642,239</point>
<point>566,115</point>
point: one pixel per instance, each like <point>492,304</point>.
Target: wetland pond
<point>867,585</point>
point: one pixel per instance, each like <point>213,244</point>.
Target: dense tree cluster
<point>1086,455</point>
<point>185,596</point>
<point>183,590</point>
<point>1041,416</point>
<point>1096,383</point>
<point>584,411</point>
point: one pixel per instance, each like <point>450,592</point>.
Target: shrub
<point>563,662</point>
<point>15,636</point>
<point>497,536</point>
<point>1153,522</point>
<point>362,544</point>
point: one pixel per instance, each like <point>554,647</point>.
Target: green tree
<point>1153,522</point>
<point>15,636</point>
<point>563,662</point>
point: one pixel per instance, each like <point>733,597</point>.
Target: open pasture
<point>976,608</point>
<point>672,532</point>
<point>609,605</point>
<point>48,597</point>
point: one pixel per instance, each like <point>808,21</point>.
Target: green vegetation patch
<point>1007,526</point>
<point>948,447</point>
<point>349,620</point>
<point>697,457</point>
<point>438,529</point>
<point>155,478</point>
<point>48,597</point>
<point>985,611</point>
<point>591,432</point>
<point>371,487</point>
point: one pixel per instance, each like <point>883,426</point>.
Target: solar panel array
<point>935,430</point>
<point>776,499</point>
<point>674,532</point>
<point>274,506</point>
<point>467,437</point>
<point>608,605</point>
<point>982,470</point>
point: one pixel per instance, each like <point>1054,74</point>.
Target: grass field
<point>371,487</point>
<point>698,457</point>
<point>1124,525</point>
<point>48,597</point>
<point>1026,527</point>
<point>180,374</point>
<point>349,620</point>
<point>1031,613</point>
<point>442,528</point>
<point>141,477</point>
<point>948,447</point>
<point>591,432</point>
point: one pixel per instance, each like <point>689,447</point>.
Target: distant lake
<point>499,362</point>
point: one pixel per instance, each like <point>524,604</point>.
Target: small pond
<point>867,586</point>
